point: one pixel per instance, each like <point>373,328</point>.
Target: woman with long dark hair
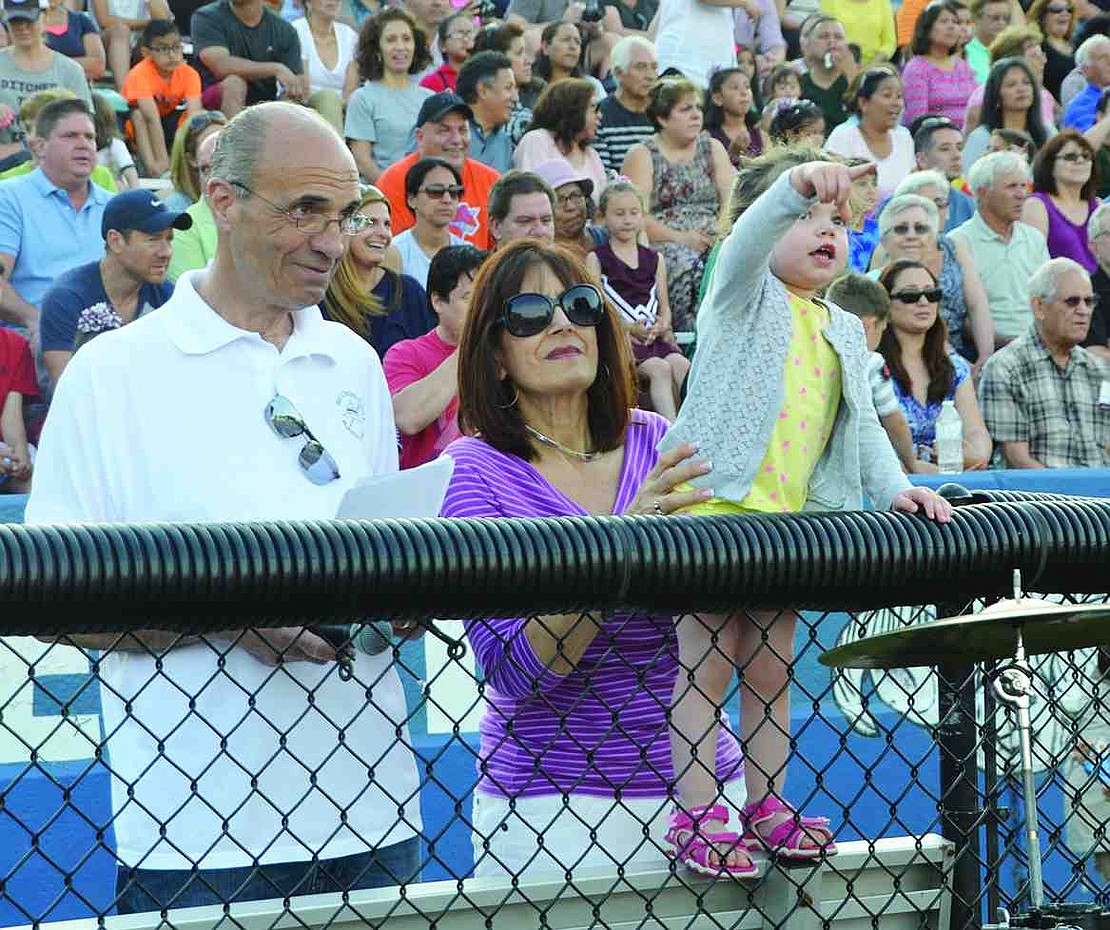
<point>924,371</point>
<point>730,114</point>
<point>560,55</point>
<point>1011,100</point>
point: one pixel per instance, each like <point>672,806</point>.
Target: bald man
<point>238,401</point>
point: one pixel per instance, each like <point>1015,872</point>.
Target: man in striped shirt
<point>623,123</point>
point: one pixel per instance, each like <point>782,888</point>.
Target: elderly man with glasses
<point>237,401</point>
<point>1046,399</point>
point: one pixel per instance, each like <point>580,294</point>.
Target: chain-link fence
<point>173,733</point>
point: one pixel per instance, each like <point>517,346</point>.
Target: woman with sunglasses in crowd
<point>924,370</point>
<point>574,749</point>
<point>875,96</point>
<point>378,303</point>
<point>1063,199</point>
<point>433,190</point>
<point>184,169</point>
<point>1057,20</point>
<point>1011,100</point>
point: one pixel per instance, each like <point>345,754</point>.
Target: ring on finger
<point>657,507</point>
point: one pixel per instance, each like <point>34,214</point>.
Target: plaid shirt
<point>1027,397</point>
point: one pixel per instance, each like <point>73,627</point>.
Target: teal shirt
<point>979,58</point>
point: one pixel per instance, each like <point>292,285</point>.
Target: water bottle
<point>950,439</point>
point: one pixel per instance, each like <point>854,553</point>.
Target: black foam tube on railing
<point>204,577</point>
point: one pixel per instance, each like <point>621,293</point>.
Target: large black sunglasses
<point>530,314</point>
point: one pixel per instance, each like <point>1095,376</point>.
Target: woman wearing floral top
<point>686,175</point>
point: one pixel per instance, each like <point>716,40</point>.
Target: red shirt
<point>470,219</point>
<point>406,363</point>
<point>443,78</point>
<point>17,368</point>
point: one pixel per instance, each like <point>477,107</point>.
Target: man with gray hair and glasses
<point>237,400</point>
<point>1005,251</point>
<point>1098,235</point>
<point>1045,399</point>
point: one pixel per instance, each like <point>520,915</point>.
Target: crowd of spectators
<point>591,152</point>
<point>437,102</point>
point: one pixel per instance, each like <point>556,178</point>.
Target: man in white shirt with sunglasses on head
<point>236,400</point>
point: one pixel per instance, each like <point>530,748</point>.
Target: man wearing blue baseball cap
<point>127,282</point>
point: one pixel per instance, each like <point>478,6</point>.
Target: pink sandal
<point>697,846</point>
<point>785,839</point>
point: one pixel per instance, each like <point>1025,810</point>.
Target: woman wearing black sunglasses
<point>545,391</point>
<point>924,370</point>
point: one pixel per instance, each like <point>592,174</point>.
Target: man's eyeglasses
<point>315,461</point>
<point>1076,156</point>
<point>919,229</point>
<point>436,191</point>
<point>572,199</point>
<point>167,49</point>
<point>1073,302</point>
<point>313,224</point>
<point>530,314</point>
<point>932,295</point>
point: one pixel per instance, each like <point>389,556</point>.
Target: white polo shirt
<point>162,420</point>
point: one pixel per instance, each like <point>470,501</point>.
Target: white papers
<point>409,494</point>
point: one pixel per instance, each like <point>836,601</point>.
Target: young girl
<point>780,406</point>
<point>730,117</point>
<point>111,151</point>
<point>635,280</point>
<point>783,83</point>
<point>795,122</point>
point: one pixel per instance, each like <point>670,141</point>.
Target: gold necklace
<point>566,450</point>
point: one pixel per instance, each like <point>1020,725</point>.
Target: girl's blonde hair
<point>620,186</point>
<point>348,299</point>
<point>756,175</point>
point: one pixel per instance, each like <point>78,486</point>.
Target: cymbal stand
<point>1012,685</point>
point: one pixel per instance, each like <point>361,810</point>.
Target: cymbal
<point>990,634</point>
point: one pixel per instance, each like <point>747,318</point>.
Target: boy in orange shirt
<point>155,88</point>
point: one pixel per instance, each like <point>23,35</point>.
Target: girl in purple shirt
<point>575,756</point>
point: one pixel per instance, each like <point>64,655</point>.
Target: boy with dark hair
<point>422,373</point>
<point>868,299</point>
<point>156,89</point>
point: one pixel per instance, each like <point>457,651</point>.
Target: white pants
<point>550,834</point>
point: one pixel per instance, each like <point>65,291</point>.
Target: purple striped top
<point>601,728</point>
